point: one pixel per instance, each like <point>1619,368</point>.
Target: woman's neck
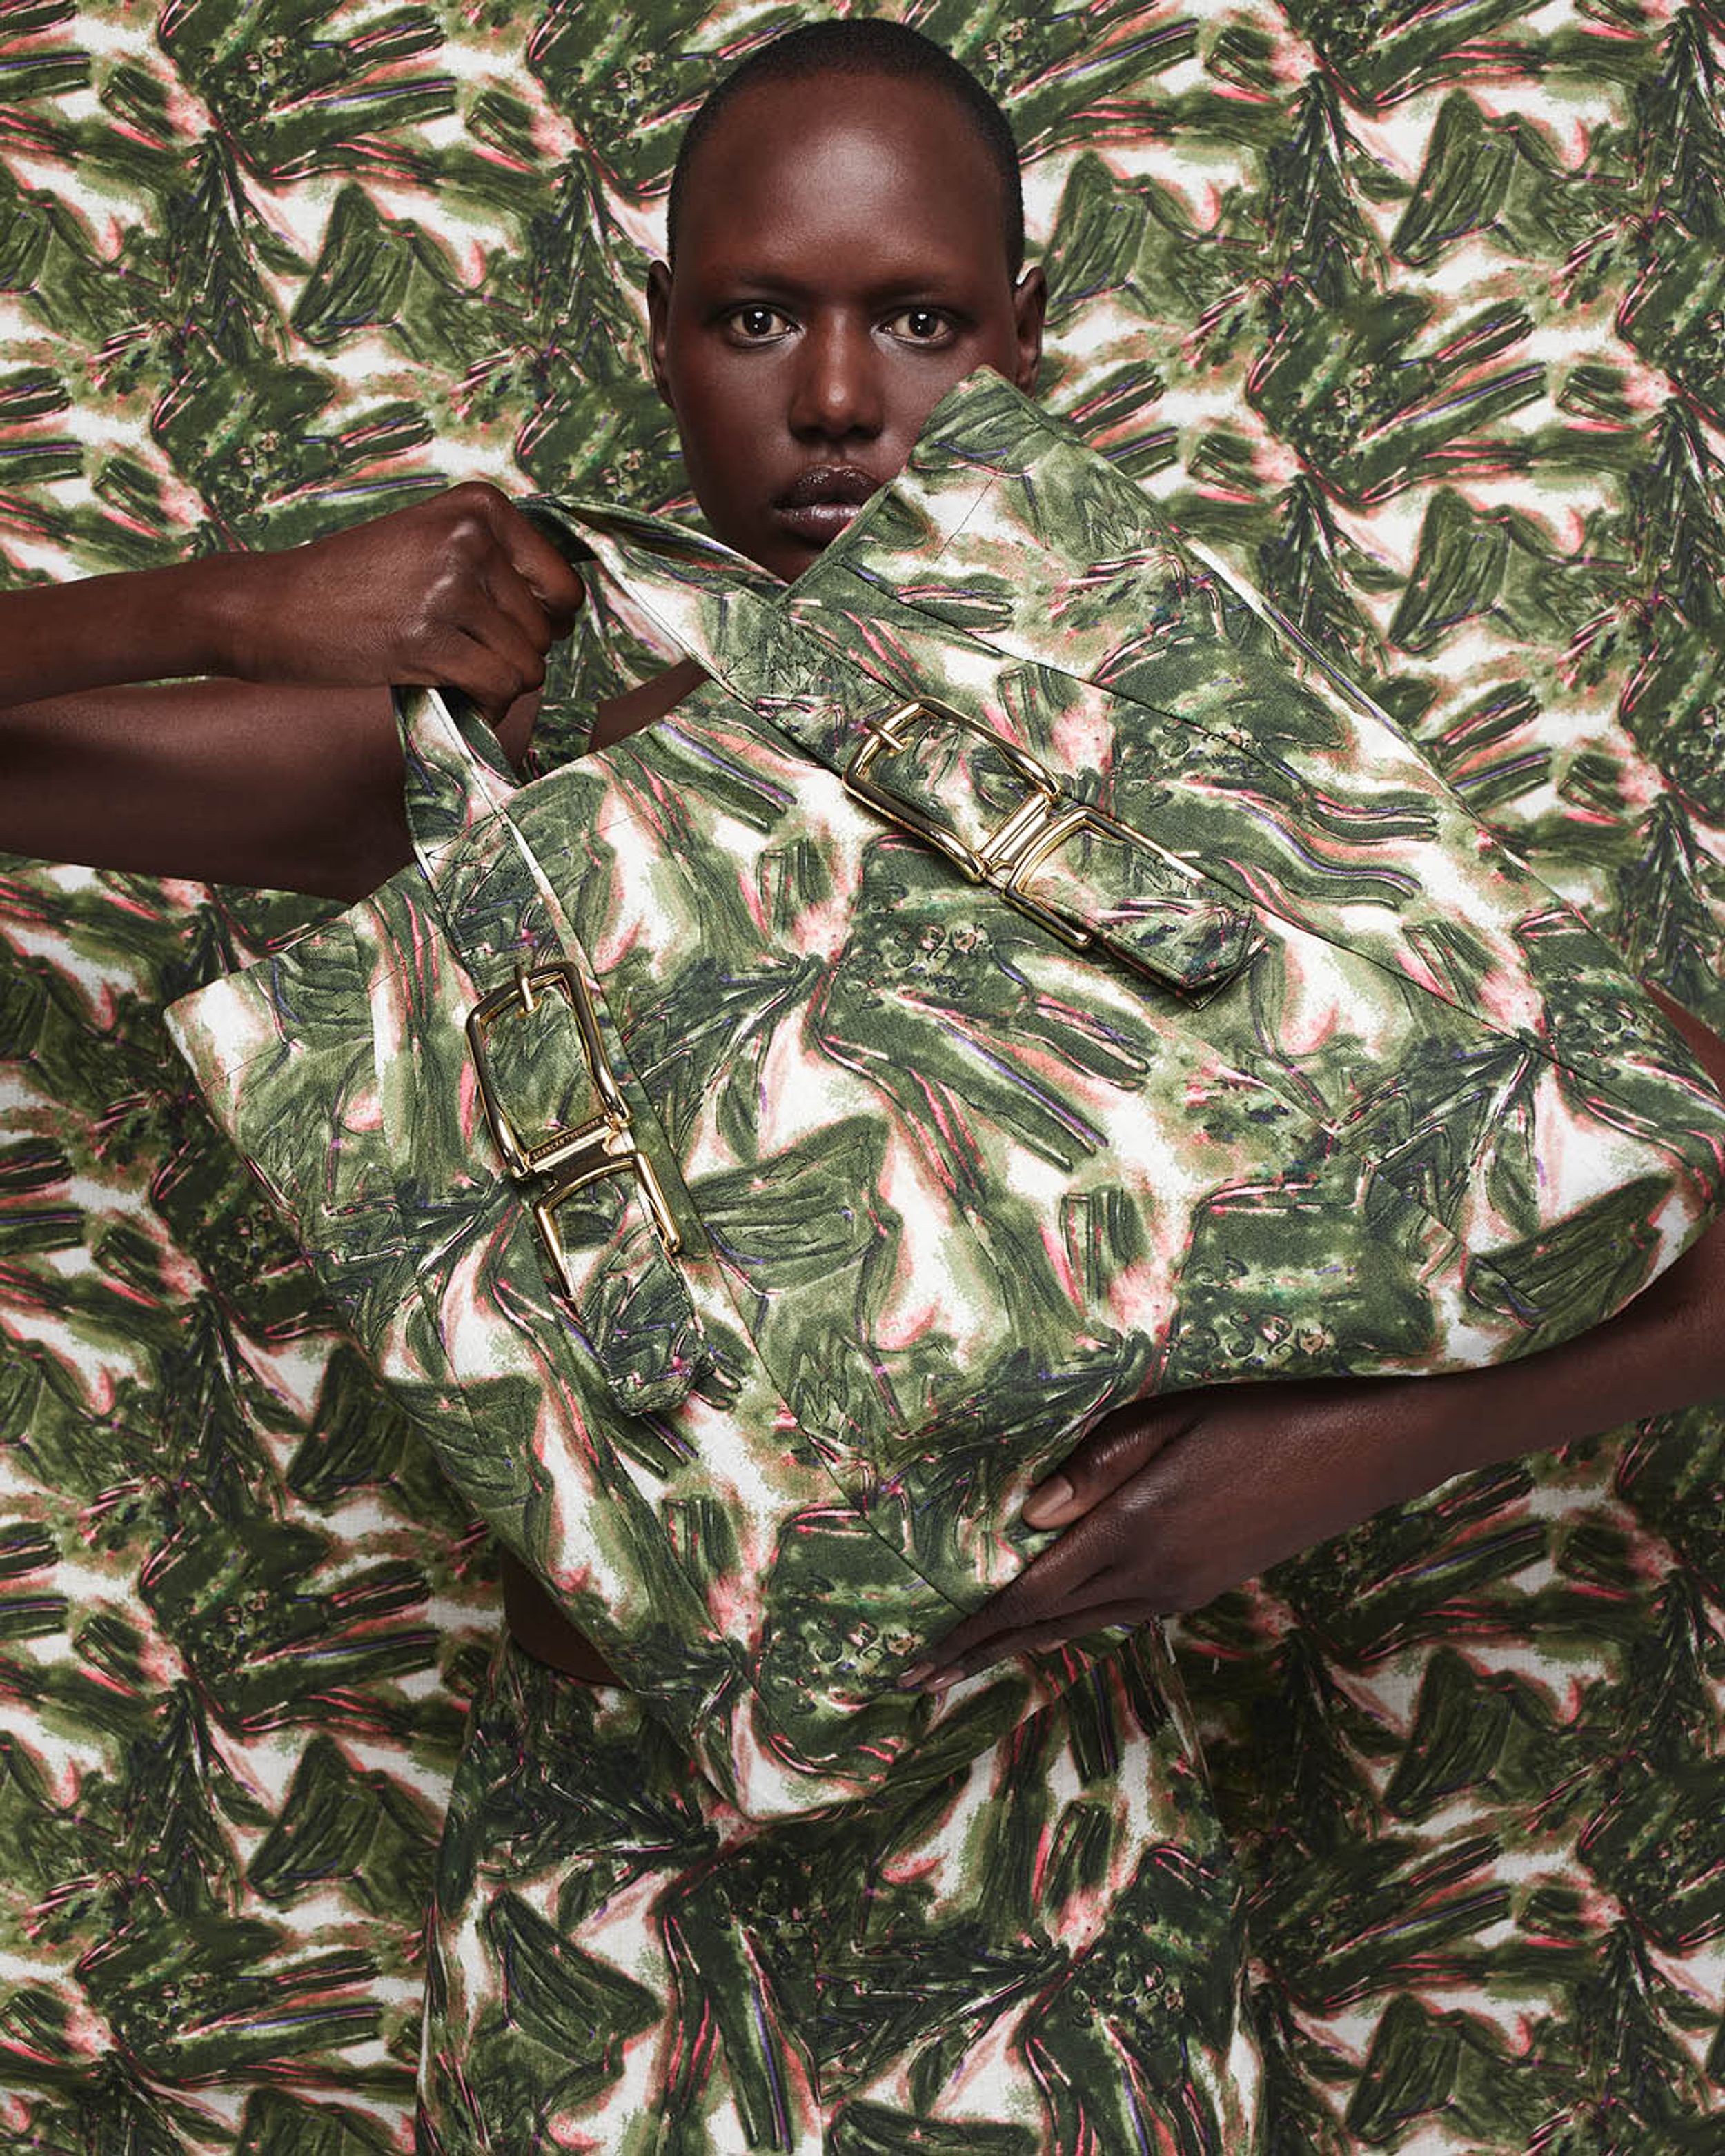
<point>619,716</point>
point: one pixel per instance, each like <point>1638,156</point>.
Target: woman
<point>844,252</point>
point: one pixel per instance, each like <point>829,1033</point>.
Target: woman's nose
<point>838,390</point>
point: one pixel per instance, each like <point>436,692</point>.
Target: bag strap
<point>923,765</point>
<point>454,773</point>
<point>574,1134</point>
<point>709,602</point>
<point>713,604</point>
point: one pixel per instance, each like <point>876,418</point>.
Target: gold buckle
<point>631,1161</point>
<point>604,1145</point>
<point>1040,824</point>
<point>520,1158</point>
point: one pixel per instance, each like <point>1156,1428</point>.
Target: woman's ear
<point>659,299</point>
<point>1029,306</point>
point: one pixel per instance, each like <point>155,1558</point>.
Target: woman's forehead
<point>887,166</point>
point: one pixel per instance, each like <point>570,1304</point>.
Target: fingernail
<point>926,1676</point>
<point>1046,1499</point>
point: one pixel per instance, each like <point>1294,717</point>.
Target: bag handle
<point>708,601</point>
<point>715,605</point>
<point>453,771</point>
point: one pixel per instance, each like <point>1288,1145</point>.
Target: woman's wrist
<point>218,633</point>
<point>1664,1351</point>
<point>185,621</point>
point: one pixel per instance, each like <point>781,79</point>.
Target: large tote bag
<point>1055,988</point>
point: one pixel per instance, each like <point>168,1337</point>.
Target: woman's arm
<point>222,782</point>
<point>283,771</point>
<point>1165,1505</point>
<point>1168,1503</point>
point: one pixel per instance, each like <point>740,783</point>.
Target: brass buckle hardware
<point>631,1161</point>
<point>1038,827</point>
<point>604,1145</point>
<point>521,1159</point>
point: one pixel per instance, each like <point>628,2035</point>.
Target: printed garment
<point>1038,1954</point>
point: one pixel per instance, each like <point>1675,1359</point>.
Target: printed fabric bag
<point>1058,988</point>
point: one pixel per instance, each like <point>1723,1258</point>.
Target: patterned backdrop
<point>1417,313</point>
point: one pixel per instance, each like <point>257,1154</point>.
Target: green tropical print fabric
<point>1038,1951</point>
<point>889,1303</point>
<point>1413,318</point>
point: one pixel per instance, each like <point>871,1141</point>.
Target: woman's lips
<point>818,503</point>
<point>818,523</point>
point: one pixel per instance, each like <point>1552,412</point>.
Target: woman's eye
<point>754,324</point>
<point>921,326</point>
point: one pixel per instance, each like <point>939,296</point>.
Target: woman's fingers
<point>1111,1453</point>
<point>502,654</point>
<point>1093,1562</point>
<point>492,679</point>
<point>484,583</point>
<point>951,1663</point>
<point>521,597</point>
<point>558,589</point>
<point>412,597</point>
<point>514,600</point>
<point>1054,1581</point>
<point>1169,1506</point>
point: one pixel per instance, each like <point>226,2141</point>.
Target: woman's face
<point>840,265</point>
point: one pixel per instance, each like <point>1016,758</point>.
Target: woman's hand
<point>459,591</point>
<point>288,776</point>
<point>1167,1502</point>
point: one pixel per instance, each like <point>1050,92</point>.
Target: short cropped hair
<point>862,47</point>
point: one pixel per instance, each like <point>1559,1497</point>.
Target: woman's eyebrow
<point>920,281</point>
